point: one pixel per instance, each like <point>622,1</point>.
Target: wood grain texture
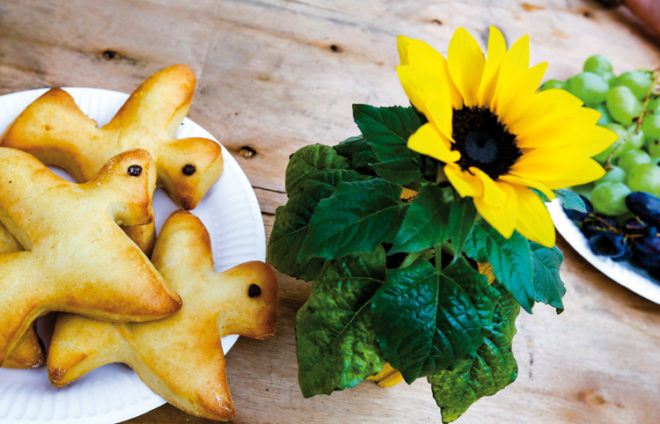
<point>274,75</point>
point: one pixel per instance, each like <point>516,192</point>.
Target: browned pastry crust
<point>56,131</point>
<point>180,357</point>
<point>76,258</point>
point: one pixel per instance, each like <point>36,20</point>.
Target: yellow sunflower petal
<point>556,170</point>
<point>466,64</point>
<point>420,55</point>
<point>515,61</point>
<point>534,221</point>
<point>421,88</point>
<point>440,114</point>
<point>496,52</point>
<point>465,183</point>
<point>577,133</point>
<point>503,217</point>
<point>545,109</point>
<point>492,194</point>
<point>427,140</point>
<point>517,94</point>
<point>523,182</point>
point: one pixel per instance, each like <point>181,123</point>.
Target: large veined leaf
<point>510,258</point>
<point>425,321</point>
<point>357,150</point>
<point>357,217</point>
<point>312,174</point>
<point>386,130</point>
<point>492,369</point>
<point>290,228</point>
<point>336,343</point>
<point>426,222</point>
<point>307,161</point>
<point>547,282</point>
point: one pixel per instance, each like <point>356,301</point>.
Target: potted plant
<point>399,227</point>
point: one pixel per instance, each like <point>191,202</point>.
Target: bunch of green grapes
<point>622,220</point>
<point>629,106</point>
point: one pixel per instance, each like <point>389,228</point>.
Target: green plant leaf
<point>356,218</point>
<point>547,282</point>
<point>357,150</point>
<point>492,369</point>
<point>309,160</point>
<point>426,223</point>
<point>571,200</point>
<point>511,260</point>
<point>290,228</point>
<point>336,343</point>
<point>397,170</point>
<point>424,320</point>
<point>462,217</point>
<point>386,130</point>
<point>482,295</point>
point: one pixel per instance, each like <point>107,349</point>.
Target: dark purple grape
<point>655,272</point>
<point>646,252</point>
<point>577,215</point>
<point>633,226</point>
<point>596,224</point>
<point>608,243</point>
<point>645,205</point>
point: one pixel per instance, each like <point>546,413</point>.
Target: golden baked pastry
<point>58,133</point>
<point>76,258</point>
<point>28,352</point>
<point>180,357</point>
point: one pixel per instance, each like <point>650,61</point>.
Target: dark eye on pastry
<point>134,170</point>
<point>254,290</point>
<point>188,169</point>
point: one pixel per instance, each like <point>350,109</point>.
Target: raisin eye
<point>188,169</point>
<point>134,170</point>
<point>254,290</point>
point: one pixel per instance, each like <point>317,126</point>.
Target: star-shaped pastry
<point>76,257</point>
<point>180,357</point>
<point>58,133</point>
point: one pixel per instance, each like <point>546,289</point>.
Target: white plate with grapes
<point>621,233</point>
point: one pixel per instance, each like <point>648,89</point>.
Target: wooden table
<point>274,75</point>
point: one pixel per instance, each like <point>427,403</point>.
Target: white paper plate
<point>633,278</point>
<point>114,393</point>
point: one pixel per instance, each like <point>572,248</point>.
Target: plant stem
<point>410,259</point>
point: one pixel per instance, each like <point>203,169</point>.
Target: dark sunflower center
<point>483,141</point>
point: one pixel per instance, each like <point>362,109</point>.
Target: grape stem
<point>647,97</point>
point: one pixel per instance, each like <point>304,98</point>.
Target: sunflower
<point>495,135</point>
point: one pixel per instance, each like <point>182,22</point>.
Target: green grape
<point>552,83</point>
<point>631,158</point>
<point>605,117</point>
<point>634,138</point>
<point>588,87</point>
<point>645,177</point>
<point>615,174</point>
<point>653,146</point>
<point>651,126</point>
<point>610,198</point>
<point>598,64</point>
<point>609,77</point>
<point>615,148</point>
<point>622,104</point>
<point>637,81</point>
